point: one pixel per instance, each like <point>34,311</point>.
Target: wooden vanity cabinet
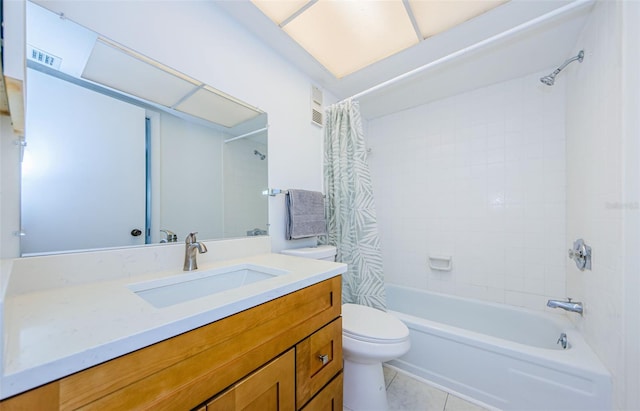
<point>292,379</point>
<point>285,354</point>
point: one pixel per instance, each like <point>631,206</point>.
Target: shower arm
<point>579,57</point>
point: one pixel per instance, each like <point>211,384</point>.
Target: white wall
<point>480,177</point>
<point>197,38</point>
<point>13,42</point>
<point>9,190</point>
<point>628,394</point>
<point>191,184</point>
<point>602,196</point>
<point>13,57</point>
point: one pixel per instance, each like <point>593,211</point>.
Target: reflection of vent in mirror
<point>316,106</point>
<point>42,57</point>
<point>120,68</point>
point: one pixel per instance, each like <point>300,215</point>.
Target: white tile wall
<point>629,395</point>
<point>480,177</point>
<point>596,197</point>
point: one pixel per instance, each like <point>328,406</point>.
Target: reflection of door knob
<point>135,232</point>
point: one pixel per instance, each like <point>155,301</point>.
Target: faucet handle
<point>191,238</point>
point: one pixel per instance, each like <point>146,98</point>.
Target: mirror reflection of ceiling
<point>346,36</point>
<point>63,45</point>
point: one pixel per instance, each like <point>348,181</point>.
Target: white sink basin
<point>177,289</point>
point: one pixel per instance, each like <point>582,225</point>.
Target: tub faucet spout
<point>568,305</point>
<point>192,248</point>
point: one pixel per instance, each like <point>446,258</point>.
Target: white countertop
<point>54,332</point>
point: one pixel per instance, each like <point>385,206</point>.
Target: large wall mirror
<point>124,151</point>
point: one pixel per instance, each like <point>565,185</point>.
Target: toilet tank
<point>321,252</point>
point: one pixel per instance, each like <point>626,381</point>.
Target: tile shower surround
<point>481,177</point>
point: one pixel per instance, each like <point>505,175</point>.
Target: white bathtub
<point>499,356</point>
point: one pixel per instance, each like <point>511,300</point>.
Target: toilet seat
<point>371,325</point>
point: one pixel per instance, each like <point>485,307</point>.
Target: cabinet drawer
<point>329,399</point>
<point>318,360</point>
<point>269,388</point>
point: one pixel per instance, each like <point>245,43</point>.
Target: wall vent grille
<point>316,106</point>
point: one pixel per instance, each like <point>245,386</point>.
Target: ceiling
<point>332,30</point>
<point>541,47</point>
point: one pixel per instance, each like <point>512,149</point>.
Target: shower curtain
<point>349,206</point>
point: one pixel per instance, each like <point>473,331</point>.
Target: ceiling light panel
<point>436,16</point>
<point>279,11</point>
<point>345,36</point>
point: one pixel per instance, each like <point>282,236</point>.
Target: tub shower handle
<point>581,254</point>
<point>324,358</point>
<point>578,254</point>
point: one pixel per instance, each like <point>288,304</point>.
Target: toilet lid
<point>372,325</point>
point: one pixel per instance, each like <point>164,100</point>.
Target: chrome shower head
<point>551,78</point>
<point>548,80</point>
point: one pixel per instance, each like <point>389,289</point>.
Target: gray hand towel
<point>305,214</point>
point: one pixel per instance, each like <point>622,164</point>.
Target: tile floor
<point>408,394</point>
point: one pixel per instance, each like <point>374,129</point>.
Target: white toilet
<point>369,338</point>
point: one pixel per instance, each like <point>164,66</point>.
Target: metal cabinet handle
<point>324,358</point>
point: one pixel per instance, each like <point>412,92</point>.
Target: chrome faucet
<point>171,237</point>
<point>192,247</point>
<point>563,341</point>
<point>568,305</point>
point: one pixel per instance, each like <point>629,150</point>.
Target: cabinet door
<point>318,360</point>
<point>272,387</point>
<point>329,399</point>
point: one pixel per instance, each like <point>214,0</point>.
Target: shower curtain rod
<point>246,134</point>
<point>514,30</point>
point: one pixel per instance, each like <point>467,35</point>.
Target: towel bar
<point>274,192</point>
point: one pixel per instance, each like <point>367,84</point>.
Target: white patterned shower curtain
<point>350,208</point>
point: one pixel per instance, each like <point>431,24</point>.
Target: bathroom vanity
<point>279,347</point>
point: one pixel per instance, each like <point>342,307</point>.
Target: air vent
<point>316,106</point>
